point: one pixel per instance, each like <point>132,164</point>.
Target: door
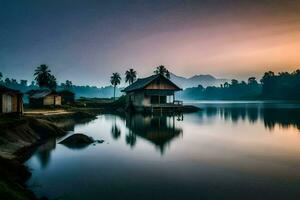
<point>7,103</point>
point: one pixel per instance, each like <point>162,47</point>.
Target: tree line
<point>43,78</point>
<point>281,86</point>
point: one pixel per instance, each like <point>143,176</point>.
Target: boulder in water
<point>77,140</point>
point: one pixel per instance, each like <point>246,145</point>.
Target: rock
<point>99,141</point>
<point>77,140</point>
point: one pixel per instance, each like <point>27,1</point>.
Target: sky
<point>86,41</point>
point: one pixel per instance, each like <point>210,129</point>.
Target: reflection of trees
<point>115,130</point>
<point>159,130</point>
<point>44,152</point>
<point>131,139</point>
<point>284,117</point>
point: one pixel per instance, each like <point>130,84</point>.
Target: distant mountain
<point>204,80</point>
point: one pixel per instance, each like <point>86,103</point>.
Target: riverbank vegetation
<point>281,86</point>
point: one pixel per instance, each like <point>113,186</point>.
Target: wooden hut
<point>44,97</point>
<point>67,97</point>
<point>10,101</point>
<point>152,92</point>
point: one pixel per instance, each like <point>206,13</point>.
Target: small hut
<point>10,101</point>
<point>67,97</point>
<point>152,92</point>
<point>44,97</point>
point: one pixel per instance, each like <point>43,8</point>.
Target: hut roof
<point>36,94</point>
<point>4,89</point>
<point>143,82</point>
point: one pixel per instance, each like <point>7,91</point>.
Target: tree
<point>130,76</point>
<point>52,84</point>
<point>267,76</point>
<point>43,76</point>
<point>252,81</point>
<point>115,80</point>
<point>200,87</point>
<point>226,85</point>
<point>1,76</point>
<point>7,81</point>
<point>68,84</point>
<point>162,70</point>
<point>14,81</point>
<point>234,82</point>
<point>23,82</point>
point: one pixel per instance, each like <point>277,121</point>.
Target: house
<point>44,97</point>
<point>152,92</point>
<point>67,97</point>
<point>10,101</point>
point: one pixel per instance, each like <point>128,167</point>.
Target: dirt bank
<point>23,133</point>
<point>19,136</point>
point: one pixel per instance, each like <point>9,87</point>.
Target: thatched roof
<point>4,89</point>
<point>36,94</point>
<point>143,82</point>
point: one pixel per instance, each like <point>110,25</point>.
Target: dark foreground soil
<point>19,136</point>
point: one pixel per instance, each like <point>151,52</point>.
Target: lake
<point>228,150</point>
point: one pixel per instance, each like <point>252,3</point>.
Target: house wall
<point>57,100</point>
<point>7,105</point>
<point>139,99</point>
<point>15,103</point>
<point>49,100</point>
<point>10,103</point>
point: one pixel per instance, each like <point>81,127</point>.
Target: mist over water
<point>229,150</point>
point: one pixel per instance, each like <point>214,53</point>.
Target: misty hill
<point>204,80</point>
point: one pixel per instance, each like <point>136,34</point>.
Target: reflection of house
<point>155,91</point>
<point>10,100</point>
<point>44,97</point>
<point>67,97</point>
<point>159,130</point>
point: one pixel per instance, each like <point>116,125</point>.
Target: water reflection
<point>221,152</point>
<point>284,117</point>
<point>160,130</point>
<point>43,153</point>
<point>115,130</point>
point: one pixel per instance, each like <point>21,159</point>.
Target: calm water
<point>230,150</point>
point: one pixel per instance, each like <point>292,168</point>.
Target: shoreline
<point>19,138</point>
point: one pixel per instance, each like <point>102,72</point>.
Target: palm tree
<point>130,76</point>
<point>162,70</point>
<point>68,84</point>
<point>42,75</point>
<point>115,80</point>
<point>52,83</point>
